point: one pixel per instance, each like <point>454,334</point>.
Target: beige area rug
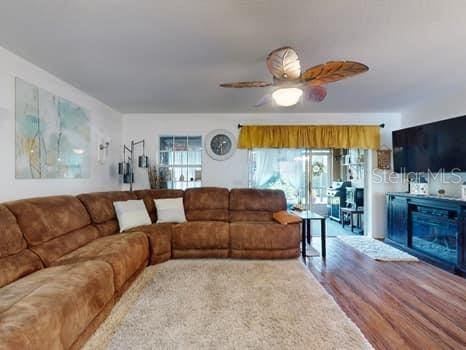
<point>228,304</point>
<point>376,250</point>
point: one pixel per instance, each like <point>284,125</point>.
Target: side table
<point>351,213</point>
<point>308,216</point>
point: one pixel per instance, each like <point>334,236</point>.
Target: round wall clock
<point>220,144</point>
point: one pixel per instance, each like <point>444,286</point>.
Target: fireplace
<point>435,234</point>
<point>432,228</point>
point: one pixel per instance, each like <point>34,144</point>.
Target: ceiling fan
<point>291,84</point>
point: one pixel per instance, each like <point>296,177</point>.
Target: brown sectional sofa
<point>253,232</point>
<point>59,230</point>
<point>47,308</point>
<point>207,232</point>
<point>63,262</point>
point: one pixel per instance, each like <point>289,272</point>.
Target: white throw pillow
<point>170,210</point>
<point>132,213</point>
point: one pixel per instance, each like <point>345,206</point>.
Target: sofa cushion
<point>248,204</point>
<point>149,195</point>
<point>54,249</point>
<point>108,228</point>
<point>170,210</point>
<point>201,235</point>
<point>100,208</point>
<point>251,216</point>
<point>265,254</point>
<point>18,265</point>
<point>132,213</point>
<point>12,241</point>
<point>200,253</point>
<point>207,204</point>
<point>15,260</point>
<point>45,218</point>
<point>50,308</point>
<point>264,236</point>
<point>160,240</point>
<point>53,226</point>
<point>127,253</point>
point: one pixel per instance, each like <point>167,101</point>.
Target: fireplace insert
<point>432,228</point>
<point>435,233</point>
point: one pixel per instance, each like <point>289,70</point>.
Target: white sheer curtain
<point>285,169</point>
<point>266,166</point>
<point>280,169</point>
<point>291,167</point>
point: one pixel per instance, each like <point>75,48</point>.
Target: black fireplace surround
<point>429,227</point>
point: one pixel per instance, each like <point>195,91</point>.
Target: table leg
<point>323,238</point>
<point>308,231</point>
<point>303,239</point>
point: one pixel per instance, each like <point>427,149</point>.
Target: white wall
<point>234,172</point>
<point>105,123</point>
<point>453,105</point>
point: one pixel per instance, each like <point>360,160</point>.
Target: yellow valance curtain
<point>309,136</point>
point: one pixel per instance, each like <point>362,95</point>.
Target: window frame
<point>170,167</point>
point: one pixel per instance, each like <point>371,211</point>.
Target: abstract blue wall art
<point>52,135</point>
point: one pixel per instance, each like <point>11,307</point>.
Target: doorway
<point>303,174</point>
<point>306,175</point>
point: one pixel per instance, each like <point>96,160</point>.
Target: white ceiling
<point>170,56</point>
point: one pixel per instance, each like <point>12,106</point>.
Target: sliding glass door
<point>320,178</point>
<point>302,174</point>
<point>282,169</point>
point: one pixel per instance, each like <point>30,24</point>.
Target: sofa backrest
<point>16,260</point>
<point>53,226</point>
<point>247,204</point>
<point>148,197</point>
<point>207,204</point>
<point>101,209</point>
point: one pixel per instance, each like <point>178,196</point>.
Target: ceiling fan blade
<point>283,64</point>
<point>246,84</point>
<point>333,71</point>
<point>315,93</point>
<point>265,100</point>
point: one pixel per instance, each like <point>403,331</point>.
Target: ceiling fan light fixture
<point>287,97</point>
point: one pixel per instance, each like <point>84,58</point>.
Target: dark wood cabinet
<point>397,219</point>
<point>429,227</point>
<point>462,242</point>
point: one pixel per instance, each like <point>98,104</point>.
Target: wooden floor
<point>397,305</point>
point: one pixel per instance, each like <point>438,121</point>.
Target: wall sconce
<point>125,168</point>
<point>102,151</point>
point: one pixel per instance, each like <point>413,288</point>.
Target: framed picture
<point>384,159</point>
<point>52,135</point>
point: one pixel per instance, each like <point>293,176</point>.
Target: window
<point>180,162</point>
<point>302,174</point>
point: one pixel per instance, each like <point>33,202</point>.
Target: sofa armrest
<point>283,217</point>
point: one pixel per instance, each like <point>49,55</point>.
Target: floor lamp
<point>126,167</point>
